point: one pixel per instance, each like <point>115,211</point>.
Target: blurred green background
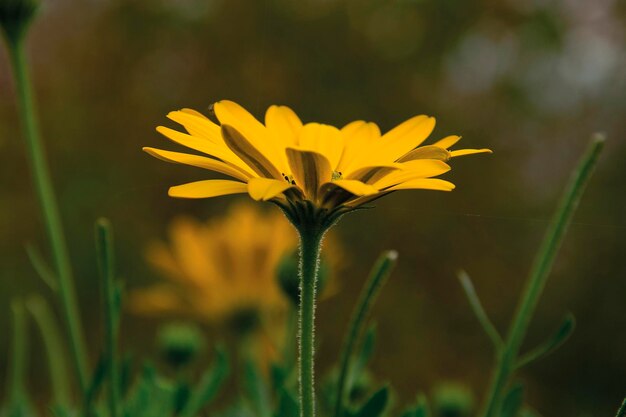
<point>529,79</point>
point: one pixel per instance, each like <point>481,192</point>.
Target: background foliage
<point>529,79</point>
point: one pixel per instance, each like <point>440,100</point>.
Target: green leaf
<point>256,389</point>
<point>378,276</point>
<point>208,386</point>
<point>558,338</point>
<point>513,401</point>
<point>94,386</point>
<point>41,267</point>
<point>479,311</point>
<point>376,405</point>
<point>364,355</point>
<point>622,410</point>
<point>287,404</point>
<point>422,409</point>
<point>53,343</point>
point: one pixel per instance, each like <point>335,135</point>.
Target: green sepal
<point>559,337</point>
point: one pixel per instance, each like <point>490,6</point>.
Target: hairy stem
<point>310,246</point>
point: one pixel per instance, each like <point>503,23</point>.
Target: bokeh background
<point>530,79</point>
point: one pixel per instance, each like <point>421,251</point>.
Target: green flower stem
<point>377,278</point>
<point>104,243</point>
<point>47,200</point>
<point>18,355</point>
<point>310,247</point>
<point>507,357</point>
<point>54,348</point>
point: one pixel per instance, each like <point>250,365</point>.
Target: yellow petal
<point>463,152</point>
<point>424,184</point>
<point>310,170</point>
<point>359,137</point>
<point>354,187</point>
<point>447,142</point>
<point>248,153</point>
<point>370,175</point>
<point>197,125</point>
<point>419,168</point>
<point>220,151</point>
<point>426,152</point>
<point>404,138</point>
<point>323,139</point>
<point>232,114</point>
<point>198,161</point>
<point>263,189</point>
<point>208,188</point>
<point>283,124</point>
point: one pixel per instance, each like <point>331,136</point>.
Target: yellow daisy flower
<point>221,269</point>
<point>295,164</point>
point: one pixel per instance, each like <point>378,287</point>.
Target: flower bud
<point>180,343</point>
<point>16,16</point>
<point>452,399</point>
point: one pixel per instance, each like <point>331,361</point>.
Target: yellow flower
<point>220,270</point>
<point>295,164</point>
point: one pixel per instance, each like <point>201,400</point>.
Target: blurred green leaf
<point>558,338</point>
<point>513,401</point>
<point>52,341</point>
<point>209,385</point>
<point>41,267</point>
<point>287,404</point>
<point>256,389</point>
<point>376,405</point>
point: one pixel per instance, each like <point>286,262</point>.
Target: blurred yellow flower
<point>288,162</point>
<point>221,270</point>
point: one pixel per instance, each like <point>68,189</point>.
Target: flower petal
<point>323,139</point>
<point>354,187</point>
<point>220,151</point>
<point>447,142</point>
<point>198,161</point>
<point>197,125</point>
<point>404,138</point>
<point>359,137</point>
<point>419,168</point>
<point>426,152</point>
<point>463,152</point>
<point>283,124</point>
<point>370,175</point>
<point>424,184</point>
<point>263,189</point>
<point>208,188</point>
<point>310,170</point>
<point>232,114</point>
<point>248,153</point>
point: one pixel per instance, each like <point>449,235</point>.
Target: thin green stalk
<point>622,410</point>
<point>52,340</point>
<point>378,276</point>
<point>47,200</point>
<point>507,359</point>
<point>18,355</point>
<point>104,243</point>
<point>310,246</point>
